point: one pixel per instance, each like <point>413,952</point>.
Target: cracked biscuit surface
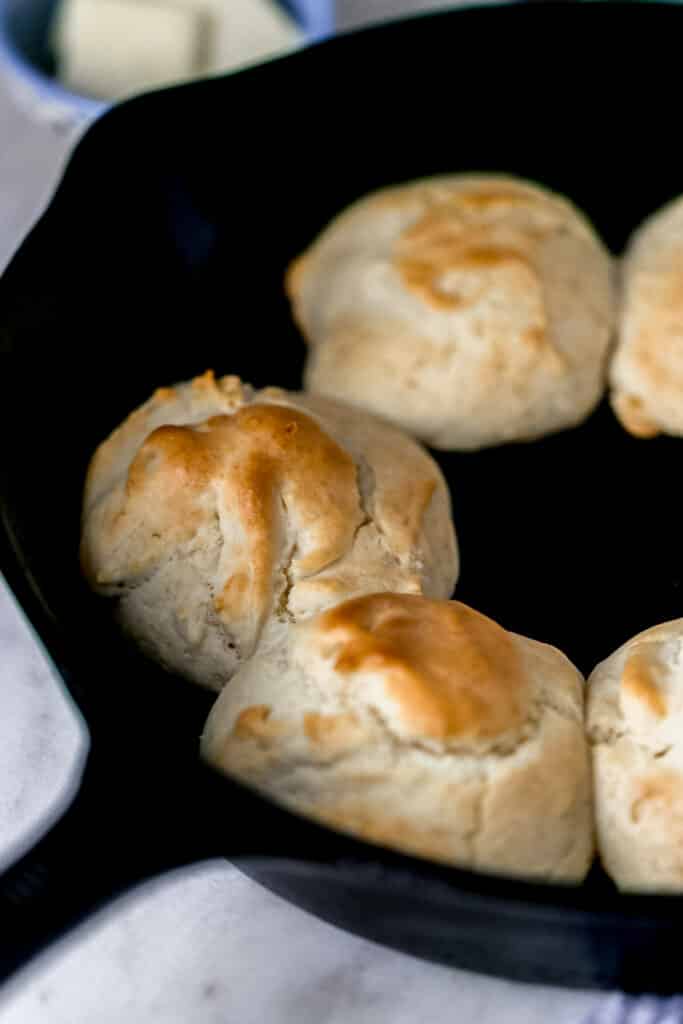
<point>635,709</point>
<point>470,310</point>
<point>420,725</point>
<point>215,509</point>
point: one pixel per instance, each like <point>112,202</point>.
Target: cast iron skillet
<point>162,254</point>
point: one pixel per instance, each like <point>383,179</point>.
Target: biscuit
<point>635,712</point>
<point>646,373</point>
<point>420,725</point>
<point>215,508</point>
<point>468,310</point>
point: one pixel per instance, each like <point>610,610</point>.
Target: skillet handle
<point>101,846</point>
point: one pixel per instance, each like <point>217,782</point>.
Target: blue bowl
<point>26,52</point>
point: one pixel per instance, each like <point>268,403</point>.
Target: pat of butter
<point>249,31</point>
<point>114,48</point>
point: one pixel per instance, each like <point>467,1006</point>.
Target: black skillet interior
<point>163,253</point>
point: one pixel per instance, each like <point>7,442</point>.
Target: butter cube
<point>114,48</point>
<point>249,31</point>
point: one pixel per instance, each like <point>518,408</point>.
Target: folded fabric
<point>622,1009</point>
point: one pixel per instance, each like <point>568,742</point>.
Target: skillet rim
<point>600,909</point>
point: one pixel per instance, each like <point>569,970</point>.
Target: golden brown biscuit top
<point>262,465</point>
<point>463,244</point>
<point>452,672</point>
<point>255,723</point>
<point>494,196</point>
<point>640,680</point>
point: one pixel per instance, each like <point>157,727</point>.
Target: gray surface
<point>31,157</point>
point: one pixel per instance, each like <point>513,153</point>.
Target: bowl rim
<point>44,88</point>
<point>47,89</point>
